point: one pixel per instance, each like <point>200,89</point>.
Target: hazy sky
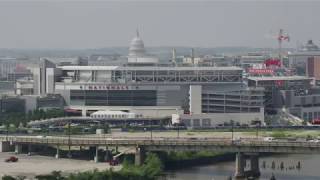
<point>88,24</point>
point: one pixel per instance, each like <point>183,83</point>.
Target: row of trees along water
<point>152,169</point>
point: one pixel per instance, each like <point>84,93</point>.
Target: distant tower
<point>192,56</point>
<point>174,56</point>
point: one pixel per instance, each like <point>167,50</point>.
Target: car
<point>113,162</point>
<point>268,139</point>
<point>40,137</point>
<point>236,140</point>
<point>12,159</point>
<point>314,140</point>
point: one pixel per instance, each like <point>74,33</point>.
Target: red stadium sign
<point>273,62</point>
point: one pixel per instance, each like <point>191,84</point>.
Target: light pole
<point>69,140</point>
<point>257,128</point>
<point>231,122</point>
<point>150,129</point>
<point>7,131</point>
<point>178,131</point>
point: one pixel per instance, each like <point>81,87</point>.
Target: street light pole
<point>150,129</point>
<point>257,132</point>
<point>7,131</point>
<point>178,130</point>
<point>231,122</point>
<point>69,140</point>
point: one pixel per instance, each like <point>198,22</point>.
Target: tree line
<point>20,118</point>
<point>152,169</point>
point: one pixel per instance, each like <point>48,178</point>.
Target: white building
<point>137,53</point>
<point>218,106</point>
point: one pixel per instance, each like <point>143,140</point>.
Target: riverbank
<point>27,168</point>
<point>30,166</point>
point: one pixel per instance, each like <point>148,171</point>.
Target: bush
<point>8,178</point>
<point>279,134</point>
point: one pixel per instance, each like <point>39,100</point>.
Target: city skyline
<point>99,24</point>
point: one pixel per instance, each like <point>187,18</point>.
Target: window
<point>305,116</point>
<point>114,97</point>
<point>206,122</point>
<point>310,116</point>
<point>187,122</point>
<point>196,122</point>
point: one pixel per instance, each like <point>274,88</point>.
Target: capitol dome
<point>136,46</point>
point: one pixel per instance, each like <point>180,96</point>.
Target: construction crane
<point>282,36</point>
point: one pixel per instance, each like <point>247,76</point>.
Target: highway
<point>168,144</point>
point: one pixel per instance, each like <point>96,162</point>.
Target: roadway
<point>175,144</point>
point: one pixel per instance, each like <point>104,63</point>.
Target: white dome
<point>137,46</point>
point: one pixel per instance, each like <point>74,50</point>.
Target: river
<point>221,171</point>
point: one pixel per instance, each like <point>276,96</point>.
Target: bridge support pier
<point>139,156</point>
<point>108,155</point>
<point>96,157</point>
<point>57,156</point>
<point>84,112</point>
<point>240,163</point>
<point>254,162</point>
<point>30,149</point>
<point>5,146</point>
<point>18,148</point>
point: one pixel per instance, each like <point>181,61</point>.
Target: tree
<point>152,166</point>
<point>8,178</point>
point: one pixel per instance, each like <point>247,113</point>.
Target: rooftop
<point>147,68</point>
<point>274,78</point>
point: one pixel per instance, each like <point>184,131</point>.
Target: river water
<point>310,169</point>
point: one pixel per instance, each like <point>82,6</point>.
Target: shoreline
<point>31,166</point>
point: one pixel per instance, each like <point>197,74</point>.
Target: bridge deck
<point>175,144</point>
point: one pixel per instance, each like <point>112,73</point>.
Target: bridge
<point>242,147</point>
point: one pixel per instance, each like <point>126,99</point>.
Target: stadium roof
<point>274,78</point>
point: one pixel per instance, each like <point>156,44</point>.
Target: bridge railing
<point>161,142</point>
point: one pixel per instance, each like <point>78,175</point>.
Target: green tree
<point>153,166</point>
<point>8,178</point>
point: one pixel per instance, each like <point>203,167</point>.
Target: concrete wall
<point>218,119</point>
<point>5,146</point>
<point>36,81</point>
<point>195,100</point>
<point>50,80</point>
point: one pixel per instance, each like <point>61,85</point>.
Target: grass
<point>287,133</point>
